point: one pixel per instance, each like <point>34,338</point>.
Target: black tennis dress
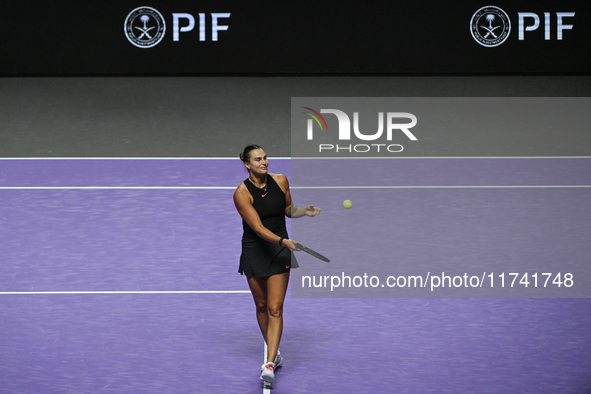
<point>261,258</point>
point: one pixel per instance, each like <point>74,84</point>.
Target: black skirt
<point>260,258</point>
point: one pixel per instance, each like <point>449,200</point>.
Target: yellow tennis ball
<point>347,204</point>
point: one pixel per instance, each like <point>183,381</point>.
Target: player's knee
<point>276,311</point>
<point>261,307</point>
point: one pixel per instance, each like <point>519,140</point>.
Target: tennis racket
<point>311,252</point>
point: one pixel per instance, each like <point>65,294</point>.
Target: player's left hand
<point>312,211</point>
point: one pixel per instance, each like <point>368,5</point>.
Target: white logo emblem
<point>490,26</point>
<point>144,27</point>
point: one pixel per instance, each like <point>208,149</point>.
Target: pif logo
<point>490,26</point>
<point>145,27</point>
<point>395,122</point>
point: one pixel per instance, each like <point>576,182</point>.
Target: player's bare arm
<point>292,211</point>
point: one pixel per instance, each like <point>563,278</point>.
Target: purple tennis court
<point>120,275</point>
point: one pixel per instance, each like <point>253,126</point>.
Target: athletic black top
<point>261,258</point>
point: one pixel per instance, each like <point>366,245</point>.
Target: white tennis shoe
<point>268,374</point>
<point>278,359</point>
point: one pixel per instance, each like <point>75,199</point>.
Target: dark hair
<point>245,154</point>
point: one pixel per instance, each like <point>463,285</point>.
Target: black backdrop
<point>390,37</point>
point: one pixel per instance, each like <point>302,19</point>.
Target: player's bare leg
<point>276,289</point>
<point>258,288</point>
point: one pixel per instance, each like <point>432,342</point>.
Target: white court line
<point>298,158</point>
<point>292,187</point>
<point>442,157</point>
<point>266,386</point>
<point>133,158</point>
<point>443,187</point>
<point>126,292</point>
<point>117,187</point>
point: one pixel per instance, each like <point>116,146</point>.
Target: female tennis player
<point>263,200</point>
